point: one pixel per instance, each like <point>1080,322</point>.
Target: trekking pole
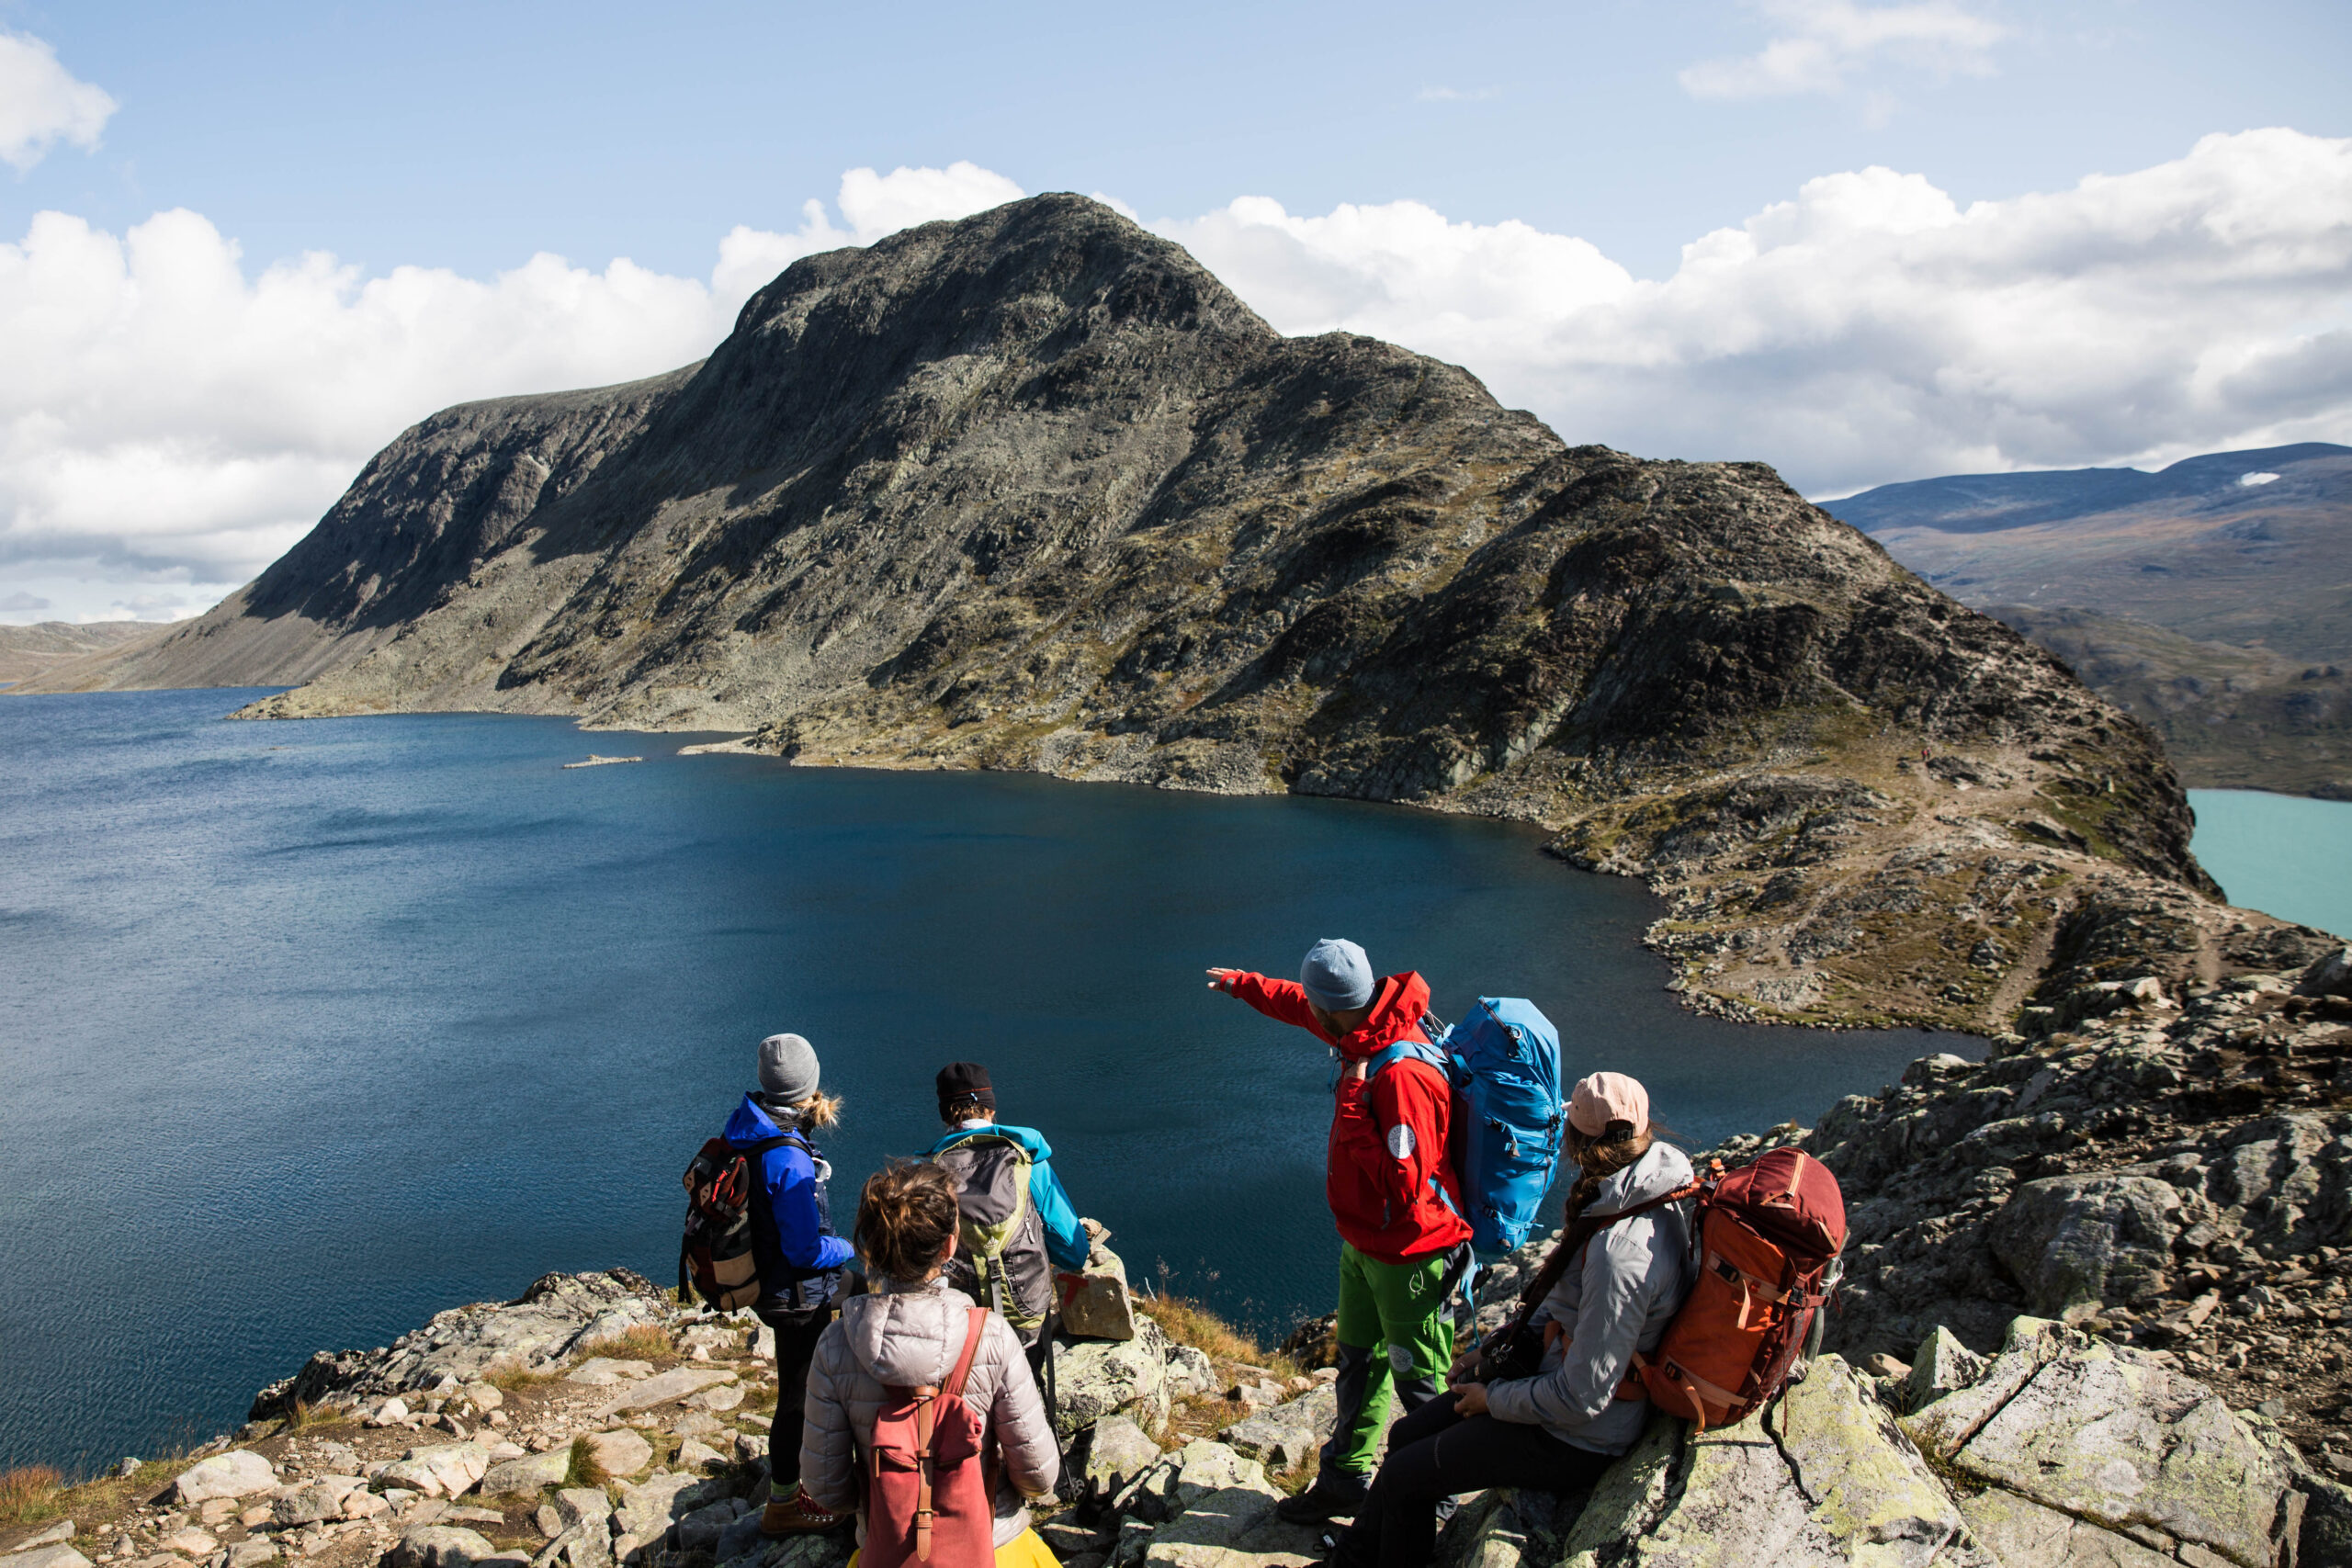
<point>1835,1272</point>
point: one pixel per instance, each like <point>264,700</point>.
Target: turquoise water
<point>311,1030</point>
<point>2284,854</point>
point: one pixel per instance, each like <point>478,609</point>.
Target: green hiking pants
<point>1394,1332</point>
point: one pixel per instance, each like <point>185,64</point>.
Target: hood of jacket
<point>1655,1174</point>
<point>1029,1138</point>
<point>907,1335</point>
<point>749,1124</point>
<point>1399,1004</point>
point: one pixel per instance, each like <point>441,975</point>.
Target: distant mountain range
<point>26,651</point>
<point>2212,599</point>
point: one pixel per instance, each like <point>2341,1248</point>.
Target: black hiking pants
<point>1435,1453</point>
<point>796,1346</point>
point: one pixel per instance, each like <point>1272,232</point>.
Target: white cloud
<point>871,205</point>
<point>1872,329</point>
<point>168,417</point>
<point>1819,44</point>
<point>170,420</point>
<point>41,103</point>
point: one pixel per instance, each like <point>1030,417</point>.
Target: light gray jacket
<point>1618,1300</point>
<point>906,1336</point>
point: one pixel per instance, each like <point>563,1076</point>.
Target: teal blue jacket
<point>1066,1241</point>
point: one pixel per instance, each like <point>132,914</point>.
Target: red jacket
<point>1390,1188</point>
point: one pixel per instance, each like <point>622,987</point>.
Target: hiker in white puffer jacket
<point>909,1332</point>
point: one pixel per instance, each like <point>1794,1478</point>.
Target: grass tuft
<point>585,1471</point>
<point>641,1343</point>
<point>1187,1321</point>
<point>29,1494</point>
<point>515,1375</point>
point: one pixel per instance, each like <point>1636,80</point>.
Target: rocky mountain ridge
<point>2206,599</point>
<point>1034,490</point>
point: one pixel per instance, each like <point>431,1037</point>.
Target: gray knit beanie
<point>787,1068</point>
<point>1336,976</point>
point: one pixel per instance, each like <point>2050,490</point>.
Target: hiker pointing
<point>1622,1269</point>
<point>1395,1201</point>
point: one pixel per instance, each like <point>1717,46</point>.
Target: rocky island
<point>1034,490</point>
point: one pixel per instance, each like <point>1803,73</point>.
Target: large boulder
<point>1233,1528</point>
<point>2112,1438</point>
<point>648,1508</point>
<point>517,1477</point>
<point>444,1469</point>
<point>1282,1435</point>
<point>1181,1479</point>
<point>1111,1455</point>
<point>2076,1241</point>
<point>57,1555</point>
<point>240,1473</point>
<point>1096,1378</point>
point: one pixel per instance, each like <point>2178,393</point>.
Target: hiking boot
<point>1334,1494</point>
<point>798,1515</point>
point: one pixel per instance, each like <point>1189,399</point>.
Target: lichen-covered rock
<point>1832,1481</point>
<point>1285,1434</point>
<point>648,1508</point>
<point>2113,1437</point>
<point>1096,1378</point>
<point>1234,1527</point>
<point>1181,1479</point>
<point>2019,1531</point>
<point>1111,1454</point>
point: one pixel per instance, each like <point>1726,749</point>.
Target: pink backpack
<point>926,1487</point>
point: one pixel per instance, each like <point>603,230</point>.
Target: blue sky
<point>472,135</point>
<point>1864,239</point>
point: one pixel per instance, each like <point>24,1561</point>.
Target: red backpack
<point>926,1487</point>
<point>1768,1236</point>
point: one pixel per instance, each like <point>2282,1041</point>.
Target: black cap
<point>959,1081</point>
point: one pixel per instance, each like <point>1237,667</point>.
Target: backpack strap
<point>974,1325</point>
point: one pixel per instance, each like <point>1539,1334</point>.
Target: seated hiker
<point>798,1257</point>
<point>1018,1223</point>
<point>1397,1203</point>
<point>1559,1429</point>
<point>912,1335</point>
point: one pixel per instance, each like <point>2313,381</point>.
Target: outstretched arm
<point>1281,1000</point>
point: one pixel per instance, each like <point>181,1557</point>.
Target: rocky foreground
<point>2098,1310</point>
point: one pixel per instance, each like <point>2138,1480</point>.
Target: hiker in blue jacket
<point>1039,1230</point>
<point>798,1257</point>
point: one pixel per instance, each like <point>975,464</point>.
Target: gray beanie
<point>787,1068</point>
<point>1336,976</point>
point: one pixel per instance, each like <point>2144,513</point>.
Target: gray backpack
<point>1001,1245</point>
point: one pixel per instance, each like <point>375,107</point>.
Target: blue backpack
<point>1503,1062</point>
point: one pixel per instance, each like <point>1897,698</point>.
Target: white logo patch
<point>1400,1141</point>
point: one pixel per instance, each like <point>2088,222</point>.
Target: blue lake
<point>2284,854</point>
<point>313,1029</point>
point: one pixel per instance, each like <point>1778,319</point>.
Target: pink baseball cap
<point>1603,1097</point>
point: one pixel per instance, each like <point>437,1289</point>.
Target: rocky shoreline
<point>2098,1309</point>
